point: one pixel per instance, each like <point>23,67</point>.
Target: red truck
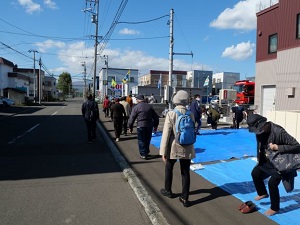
<point>245,90</point>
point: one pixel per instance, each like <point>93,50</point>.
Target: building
<point>277,57</point>
<point>198,78</point>
<point>107,78</point>
<point>224,80</point>
<point>49,88</point>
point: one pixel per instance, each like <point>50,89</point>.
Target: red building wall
<point>281,19</point>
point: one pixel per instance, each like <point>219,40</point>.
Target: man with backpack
<point>90,113</point>
<point>177,143</point>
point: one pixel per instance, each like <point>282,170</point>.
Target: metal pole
<point>170,58</point>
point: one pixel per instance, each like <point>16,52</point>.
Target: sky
<point>133,34</point>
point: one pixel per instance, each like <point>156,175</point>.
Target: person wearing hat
<point>171,151</point>
<point>118,113</point>
<point>271,138</point>
<point>147,119</point>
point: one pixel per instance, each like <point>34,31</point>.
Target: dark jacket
<point>117,110</point>
<point>196,109</point>
<point>86,109</point>
<point>286,144</point>
<point>145,116</point>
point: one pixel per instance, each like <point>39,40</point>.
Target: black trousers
<point>185,176</point>
<point>91,129</point>
<point>125,121</point>
<point>118,124</point>
<point>259,174</point>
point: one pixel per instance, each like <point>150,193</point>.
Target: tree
<point>64,83</point>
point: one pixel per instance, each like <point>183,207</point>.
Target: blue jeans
<point>144,135</point>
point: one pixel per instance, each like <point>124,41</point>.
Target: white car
<point>7,101</point>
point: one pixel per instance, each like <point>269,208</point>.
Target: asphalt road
<point>49,174</point>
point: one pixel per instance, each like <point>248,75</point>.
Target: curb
<point>151,208</point>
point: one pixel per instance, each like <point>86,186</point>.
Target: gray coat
<point>168,146</point>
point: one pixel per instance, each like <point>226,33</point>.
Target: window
<point>298,26</point>
<point>273,43</point>
<point>131,79</point>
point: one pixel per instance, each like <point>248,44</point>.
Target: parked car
<point>7,101</point>
<point>1,102</point>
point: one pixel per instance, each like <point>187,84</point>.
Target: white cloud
<point>50,4</point>
<point>242,16</point>
<point>44,46</point>
<point>127,31</point>
<point>30,6</point>
<point>239,52</point>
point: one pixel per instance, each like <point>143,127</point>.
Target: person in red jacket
<point>106,103</point>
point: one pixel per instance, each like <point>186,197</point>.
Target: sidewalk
<point>211,204</point>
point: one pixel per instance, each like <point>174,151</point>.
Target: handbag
<point>284,162</point>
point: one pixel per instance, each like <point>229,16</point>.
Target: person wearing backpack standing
<point>195,108</point>
<point>171,150</point>
<point>90,113</point>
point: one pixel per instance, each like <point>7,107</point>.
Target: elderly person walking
<point>171,151</point>
<point>147,119</point>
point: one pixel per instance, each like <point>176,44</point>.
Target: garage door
<point>268,99</point>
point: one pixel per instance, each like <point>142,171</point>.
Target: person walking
<point>105,105</point>
<point>127,112</point>
<point>195,108</point>
<point>147,119</point>
<point>152,99</point>
<point>90,113</point>
<point>171,151</point>
<point>238,115</point>
<point>271,138</point>
<point>213,116</point>
<point>117,114</point>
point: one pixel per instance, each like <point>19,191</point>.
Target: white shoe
<point>117,139</point>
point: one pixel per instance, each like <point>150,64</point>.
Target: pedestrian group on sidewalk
<point>278,153</point>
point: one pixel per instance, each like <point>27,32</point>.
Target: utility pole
<point>95,20</point>
<point>40,81</point>
<point>169,89</point>
<point>106,74</point>
<point>34,75</point>
<point>171,53</point>
<point>84,79</point>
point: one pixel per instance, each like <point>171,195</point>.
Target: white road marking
<point>54,113</point>
<point>22,135</point>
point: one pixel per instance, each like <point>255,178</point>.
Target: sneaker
<point>117,139</point>
<point>143,157</point>
<point>184,202</point>
<point>125,134</point>
<point>166,193</point>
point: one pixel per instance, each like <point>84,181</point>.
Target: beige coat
<point>168,146</point>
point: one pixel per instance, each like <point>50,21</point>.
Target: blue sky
<point>220,33</point>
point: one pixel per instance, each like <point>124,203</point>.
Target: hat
<point>181,98</point>
<point>140,97</point>
<point>255,123</point>
<point>117,99</point>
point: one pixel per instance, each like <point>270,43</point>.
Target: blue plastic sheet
<point>221,144</point>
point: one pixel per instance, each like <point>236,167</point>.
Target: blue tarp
<point>221,144</point>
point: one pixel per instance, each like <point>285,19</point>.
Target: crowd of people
<point>272,141</point>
